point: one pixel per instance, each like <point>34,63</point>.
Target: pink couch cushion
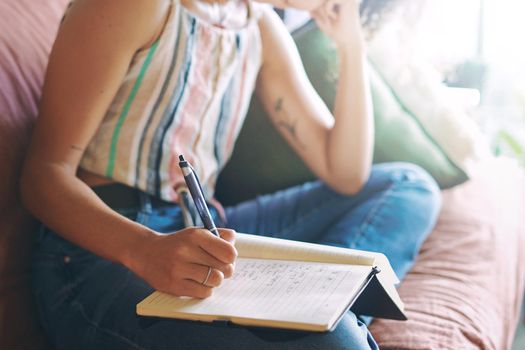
<point>27,30</point>
<point>466,288</point>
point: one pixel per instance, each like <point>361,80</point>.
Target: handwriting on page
<point>288,289</point>
<point>273,289</point>
<point>260,247</point>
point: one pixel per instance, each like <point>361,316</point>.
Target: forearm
<point>173,264</point>
<point>350,141</point>
<point>68,206</point>
<point>338,150</point>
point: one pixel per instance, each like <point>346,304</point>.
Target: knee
<point>415,182</point>
<point>419,196</point>
<point>422,196</point>
<point>416,203</point>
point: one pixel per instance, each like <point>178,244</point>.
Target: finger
<point>319,12</point>
<point>332,9</point>
<point>189,288</point>
<point>321,15</point>
<point>216,247</point>
<point>228,270</point>
<point>215,278</point>
<point>199,274</point>
<point>322,23</point>
<point>314,13</point>
<point>227,234</point>
<point>199,256</point>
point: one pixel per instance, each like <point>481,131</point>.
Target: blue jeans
<point>86,302</point>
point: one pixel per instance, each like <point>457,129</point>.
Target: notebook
<point>292,285</point>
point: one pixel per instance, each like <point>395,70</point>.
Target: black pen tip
<point>181,158</point>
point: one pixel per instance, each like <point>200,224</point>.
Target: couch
<point>464,292</point>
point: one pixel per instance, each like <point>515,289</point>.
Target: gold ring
<point>207,276</point>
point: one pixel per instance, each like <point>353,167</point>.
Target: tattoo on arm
<point>279,105</point>
<point>77,148</point>
<point>287,123</point>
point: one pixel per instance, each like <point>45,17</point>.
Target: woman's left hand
<point>339,19</point>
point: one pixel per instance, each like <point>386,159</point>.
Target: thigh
<point>392,214</point>
<point>299,213</point>
<point>87,302</point>
<point>304,212</point>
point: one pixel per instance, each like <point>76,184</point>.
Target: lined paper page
<point>276,290</point>
<point>260,247</point>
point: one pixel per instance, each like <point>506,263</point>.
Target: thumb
<point>227,235</point>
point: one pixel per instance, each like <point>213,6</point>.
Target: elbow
<point>348,189</point>
<point>350,185</point>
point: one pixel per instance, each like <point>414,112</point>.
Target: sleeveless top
<point>186,94</point>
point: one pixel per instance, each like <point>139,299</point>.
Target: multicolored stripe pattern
<point>187,94</point>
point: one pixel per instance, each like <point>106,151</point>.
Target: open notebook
<point>288,284</point>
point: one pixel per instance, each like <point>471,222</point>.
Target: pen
<point>192,181</point>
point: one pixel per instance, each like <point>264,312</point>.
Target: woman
<point>130,85</point>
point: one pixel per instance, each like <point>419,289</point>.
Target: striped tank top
<point>186,94</point>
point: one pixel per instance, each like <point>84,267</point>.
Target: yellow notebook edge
<point>143,310</point>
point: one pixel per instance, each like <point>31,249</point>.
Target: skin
<point>93,50</point>
<point>322,141</point>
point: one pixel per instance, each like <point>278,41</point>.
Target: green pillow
<point>262,161</point>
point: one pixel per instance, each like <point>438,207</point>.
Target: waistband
<point>119,196</point>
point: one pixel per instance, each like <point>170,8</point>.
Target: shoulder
<point>270,24</point>
<point>133,20</point>
<point>264,12</point>
<point>260,9</point>
<point>276,39</point>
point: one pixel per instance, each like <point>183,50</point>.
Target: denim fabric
<point>86,302</point>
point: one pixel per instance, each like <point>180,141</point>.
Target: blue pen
<point>192,181</point>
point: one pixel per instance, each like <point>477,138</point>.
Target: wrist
<point>136,248</point>
<point>351,45</point>
<point>348,54</point>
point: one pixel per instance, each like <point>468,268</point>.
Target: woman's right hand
<point>339,19</point>
<point>178,263</point>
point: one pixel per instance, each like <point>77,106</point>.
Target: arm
<point>338,150</point>
<point>91,56</point>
